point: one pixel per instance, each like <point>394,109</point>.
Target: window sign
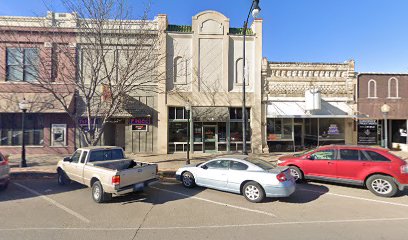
<point>333,130</point>
<point>59,135</point>
<point>367,132</point>
<point>139,128</point>
<point>140,121</point>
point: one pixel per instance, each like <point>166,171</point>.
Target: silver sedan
<point>255,179</point>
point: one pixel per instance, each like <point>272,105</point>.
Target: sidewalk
<point>44,165</point>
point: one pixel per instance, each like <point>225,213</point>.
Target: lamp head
<point>256,10</point>
<point>188,106</point>
<point>24,105</point>
<point>385,108</point>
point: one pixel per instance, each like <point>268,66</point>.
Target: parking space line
<point>211,226</point>
<point>353,197</point>
<point>55,203</point>
<point>215,202</point>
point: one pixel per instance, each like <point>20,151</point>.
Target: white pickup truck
<point>106,171</point>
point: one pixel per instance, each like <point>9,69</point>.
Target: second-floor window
<point>393,88</point>
<point>22,64</point>
<point>372,89</point>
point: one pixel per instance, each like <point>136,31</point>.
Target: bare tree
<point>102,60</point>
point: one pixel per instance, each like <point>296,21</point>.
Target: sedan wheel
<point>383,186</point>
<point>188,180</point>
<point>296,173</point>
<point>253,192</point>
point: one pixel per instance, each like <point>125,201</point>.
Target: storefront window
<point>222,132</point>
<point>10,131</point>
<point>399,131</point>
<point>279,129</point>
<point>198,132</point>
<point>331,130</point>
<point>178,132</point>
<point>311,132</point>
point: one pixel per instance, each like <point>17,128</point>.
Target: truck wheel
<point>253,192</point>
<point>296,173</point>
<point>3,187</point>
<point>98,194</point>
<point>383,186</point>
<point>62,178</point>
<point>188,180</point>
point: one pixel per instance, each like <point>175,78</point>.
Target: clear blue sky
<point>372,32</point>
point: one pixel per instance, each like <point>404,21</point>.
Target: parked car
<point>383,173</point>
<point>255,179</point>
<point>4,172</point>
<point>106,171</point>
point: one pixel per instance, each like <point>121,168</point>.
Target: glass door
<point>210,138</point>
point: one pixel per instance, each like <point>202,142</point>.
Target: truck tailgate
<point>137,175</point>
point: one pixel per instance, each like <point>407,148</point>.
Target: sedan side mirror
<point>310,157</point>
<point>67,159</point>
<point>204,167</point>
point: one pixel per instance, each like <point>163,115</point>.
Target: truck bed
<point>130,171</point>
<point>119,164</point>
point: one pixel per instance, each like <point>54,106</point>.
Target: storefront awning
<point>210,114</point>
<point>296,109</point>
<point>41,102</point>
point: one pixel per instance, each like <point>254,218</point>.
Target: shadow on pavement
<point>157,194</point>
<point>305,193</point>
<point>20,189</point>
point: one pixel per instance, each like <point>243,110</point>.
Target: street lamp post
<point>23,105</point>
<point>188,109</point>
<point>385,109</point>
<point>255,9</point>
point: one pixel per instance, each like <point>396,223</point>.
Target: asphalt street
<point>40,209</point>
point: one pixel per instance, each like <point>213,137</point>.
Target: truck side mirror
<point>67,159</point>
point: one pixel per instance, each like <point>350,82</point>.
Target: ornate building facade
<point>307,104</point>
<point>204,69</point>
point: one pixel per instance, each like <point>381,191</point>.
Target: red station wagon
<point>380,171</point>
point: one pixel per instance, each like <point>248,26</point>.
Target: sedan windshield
<point>261,163</point>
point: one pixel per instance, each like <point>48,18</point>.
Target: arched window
<point>179,71</point>
<point>393,87</point>
<point>372,89</point>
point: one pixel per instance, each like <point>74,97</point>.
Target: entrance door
<point>210,138</point>
<point>298,137</point>
<point>120,135</point>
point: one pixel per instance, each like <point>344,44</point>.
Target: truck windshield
<point>106,155</point>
